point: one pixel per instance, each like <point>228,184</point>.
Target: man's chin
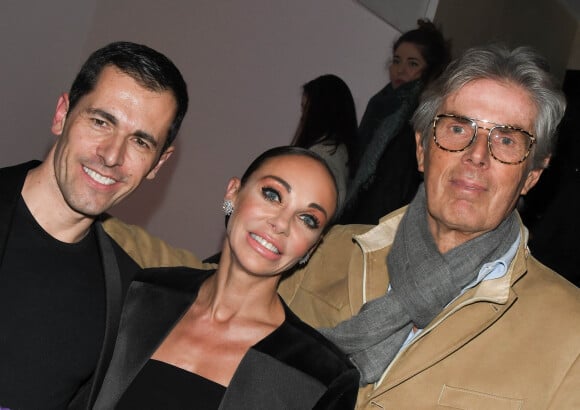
<point>90,211</point>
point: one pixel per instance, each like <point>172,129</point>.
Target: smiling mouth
<point>101,179</point>
<point>265,243</point>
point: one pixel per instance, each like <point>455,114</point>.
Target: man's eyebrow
<point>147,137</point>
<point>113,120</point>
<point>106,115</point>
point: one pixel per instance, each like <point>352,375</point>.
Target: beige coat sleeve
<point>147,250</point>
<point>568,394</point>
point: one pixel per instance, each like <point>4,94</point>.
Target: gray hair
<point>522,66</point>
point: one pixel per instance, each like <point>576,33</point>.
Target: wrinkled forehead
<point>497,101</point>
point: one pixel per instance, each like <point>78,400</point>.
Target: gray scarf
<point>423,281</point>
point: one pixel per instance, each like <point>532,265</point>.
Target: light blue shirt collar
<point>495,269</point>
<point>489,271</point>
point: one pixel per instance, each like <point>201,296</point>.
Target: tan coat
<point>147,250</point>
<point>508,343</point>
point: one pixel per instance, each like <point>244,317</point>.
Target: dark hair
<point>148,67</point>
<point>284,151</point>
<point>433,47</point>
<point>329,116</point>
<point>522,66</point>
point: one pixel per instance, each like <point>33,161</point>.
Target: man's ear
<point>531,180</point>
<point>59,117</point>
<point>533,177</point>
<point>420,152</point>
<point>162,159</point>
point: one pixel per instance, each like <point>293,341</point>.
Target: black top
<point>160,385</point>
<point>52,315</point>
<point>393,184</point>
<point>294,367</point>
<point>117,269</point>
<point>387,177</point>
<point>380,106</point>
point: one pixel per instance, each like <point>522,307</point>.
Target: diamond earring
<point>228,207</point>
<point>304,259</point>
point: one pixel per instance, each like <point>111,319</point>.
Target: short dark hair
<point>148,67</point>
<point>329,116</point>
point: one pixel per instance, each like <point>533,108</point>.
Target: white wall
<point>402,14</point>
<point>244,63</point>
<point>41,45</point>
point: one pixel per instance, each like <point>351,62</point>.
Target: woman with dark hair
<point>328,126</point>
<point>387,176</point>
<point>224,338</point>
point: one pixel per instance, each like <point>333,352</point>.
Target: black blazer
<point>292,368</point>
<point>118,270</point>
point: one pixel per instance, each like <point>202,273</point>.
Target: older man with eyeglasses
<point>441,303</point>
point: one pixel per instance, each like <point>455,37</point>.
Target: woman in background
<point>328,126</point>
<point>224,339</point>
<point>387,176</point>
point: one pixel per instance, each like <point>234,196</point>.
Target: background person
<point>328,126</point>
<point>224,338</point>
<point>62,278</point>
<point>387,176</point>
<point>441,303</point>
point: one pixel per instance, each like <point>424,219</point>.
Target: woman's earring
<point>304,259</point>
<point>228,207</point>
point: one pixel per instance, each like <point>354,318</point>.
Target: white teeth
<point>101,179</point>
<point>264,243</point>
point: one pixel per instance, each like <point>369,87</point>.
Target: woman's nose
<point>280,223</point>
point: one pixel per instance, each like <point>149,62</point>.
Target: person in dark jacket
<point>387,175</point>
<point>62,277</point>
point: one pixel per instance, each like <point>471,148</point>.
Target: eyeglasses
<point>506,144</point>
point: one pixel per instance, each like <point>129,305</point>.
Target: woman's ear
<point>232,189</point>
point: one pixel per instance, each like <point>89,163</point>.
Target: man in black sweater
<point>62,277</point>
